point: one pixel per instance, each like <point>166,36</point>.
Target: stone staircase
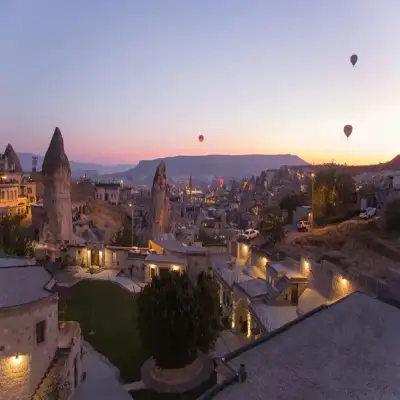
<point>51,380</point>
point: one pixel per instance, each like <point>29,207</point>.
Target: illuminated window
<point>40,332</point>
<point>114,257</point>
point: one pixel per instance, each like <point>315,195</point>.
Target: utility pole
<point>131,206</point>
<point>312,199</point>
<point>190,187</point>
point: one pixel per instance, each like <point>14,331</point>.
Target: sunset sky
<point>127,80</point>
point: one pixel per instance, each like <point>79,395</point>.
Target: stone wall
<point>21,376</point>
<point>327,279</point>
<point>75,353</point>
<point>197,263</point>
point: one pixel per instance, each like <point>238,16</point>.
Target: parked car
<point>303,226</point>
<point>250,233</point>
<point>135,250</point>
<point>368,213</point>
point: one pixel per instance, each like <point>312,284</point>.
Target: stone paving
<point>227,342</point>
<point>101,379</point>
<point>110,275</point>
<point>73,276</point>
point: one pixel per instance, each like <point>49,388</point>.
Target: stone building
<point>260,292</point>
<point>56,175</point>
<point>109,191</point>
<point>38,355</point>
<point>17,193</point>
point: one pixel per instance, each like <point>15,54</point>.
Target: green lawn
<point>110,312</point>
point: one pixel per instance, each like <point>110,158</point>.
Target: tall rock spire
<point>55,158</point>
<point>56,174</point>
<point>158,215</point>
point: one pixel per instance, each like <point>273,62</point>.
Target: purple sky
<point>127,80</point>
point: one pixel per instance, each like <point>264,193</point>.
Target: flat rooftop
<point>10,261</point>
<point>23,284</point>
<point>349,350</point>
<point>164,258</point>
<point>177,247</point>
<point>255,287</point>
<point>289,272</point>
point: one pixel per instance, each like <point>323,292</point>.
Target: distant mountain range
<point>208,167</point>
<point>392,165</point>
<point>77,168</point>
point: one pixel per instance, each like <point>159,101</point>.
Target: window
<point>40,332</point>
<point>114,257</point>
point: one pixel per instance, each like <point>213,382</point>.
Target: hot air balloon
<point>201,138</point>
<point>354,59</point>
<point>347,130</point>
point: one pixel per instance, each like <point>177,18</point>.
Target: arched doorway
<point>241,311</point>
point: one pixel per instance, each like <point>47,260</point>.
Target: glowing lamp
<point>17,359</point>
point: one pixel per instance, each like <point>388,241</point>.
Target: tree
<point>392,215</point>
<point>124,237</point>
<point>177,319</point>
<point>290,203</point>
<point>208,312</point>
<point>333,191</point>
<point>271,226</point>
<point>14,238</point>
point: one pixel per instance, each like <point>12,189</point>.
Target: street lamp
<point>312,199</point>
<point>131,207</point>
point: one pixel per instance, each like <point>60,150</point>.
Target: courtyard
<point>107,314</point>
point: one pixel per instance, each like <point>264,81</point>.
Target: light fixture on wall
<point>175,268</point>
<point>17,359</point>
<point>343,281</point>
<point>306,265</point>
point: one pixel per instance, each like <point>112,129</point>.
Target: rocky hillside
<point>206,167</point>
<point>107,217</point>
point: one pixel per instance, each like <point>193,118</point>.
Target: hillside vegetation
<point>107,217</point>
<point>360,245</point>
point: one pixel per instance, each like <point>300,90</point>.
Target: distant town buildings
<point>109,192</point>
<point>17,192</point>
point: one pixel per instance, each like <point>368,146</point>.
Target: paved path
<point>71,277</point>
<point>111,275</point>
<point>101,381</point>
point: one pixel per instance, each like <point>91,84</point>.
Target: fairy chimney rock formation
<point>11,160</point>
<point>158,216</point>
<point>56,174</point>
